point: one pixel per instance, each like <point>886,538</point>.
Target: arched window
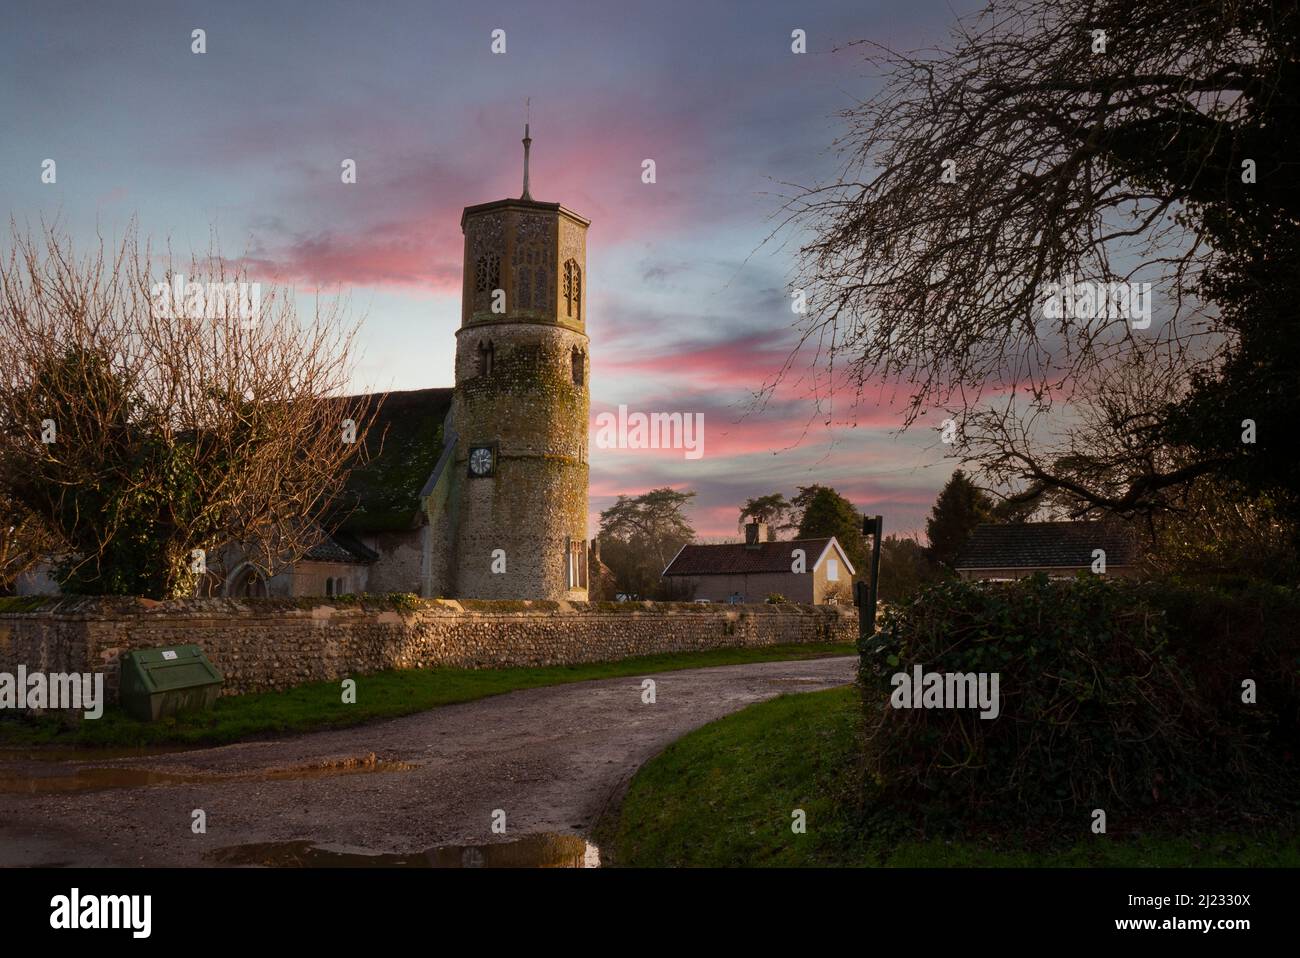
<point>579,366</point>
<point>486,355</point>
<point>248,583</point>
<point>573,290</point>
<point>534,263</point>
<point>487,277</point>
<point>576,567</point>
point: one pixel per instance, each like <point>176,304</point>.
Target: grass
<point>318,705</point>
<point>723,797</point>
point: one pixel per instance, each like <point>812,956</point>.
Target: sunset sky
<point>689,308</point>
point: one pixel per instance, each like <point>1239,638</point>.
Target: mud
<point>551,760</point>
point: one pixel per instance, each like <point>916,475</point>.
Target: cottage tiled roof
<point>735,558</point>
<point>1022,545</point>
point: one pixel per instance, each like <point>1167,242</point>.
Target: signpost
<point>866,594</point>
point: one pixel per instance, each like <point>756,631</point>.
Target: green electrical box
<point>158,682</point>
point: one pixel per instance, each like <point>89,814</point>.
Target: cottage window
<point>832,570</point>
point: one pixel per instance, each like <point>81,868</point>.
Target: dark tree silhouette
<point>1112,141</point>
<point>959,508</point>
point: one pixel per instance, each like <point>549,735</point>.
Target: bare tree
<point>147,432</point>
<point>1050,141</point>
<point>1106,454</point>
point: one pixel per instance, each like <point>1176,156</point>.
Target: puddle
<point>97,779</point>
<point>545,850</point>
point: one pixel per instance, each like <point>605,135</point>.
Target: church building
<point>478,491</point>
<point>506,506</point>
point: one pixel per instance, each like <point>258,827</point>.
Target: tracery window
<point>573,290</point>
<point>487,277</point>
<point>534,262</point>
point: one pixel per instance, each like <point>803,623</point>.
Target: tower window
<point>524,288</point>
<point>533,263</point>
<point>573,290</point>
<point>579,366</point>
<point>486,354</point>
<point>577,564</point>
<point>487,277</point>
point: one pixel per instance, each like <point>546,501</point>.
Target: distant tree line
<point>639,535</point>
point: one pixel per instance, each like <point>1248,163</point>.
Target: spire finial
<point>528,142</point>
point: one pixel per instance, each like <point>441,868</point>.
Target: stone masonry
<point>270,644</point>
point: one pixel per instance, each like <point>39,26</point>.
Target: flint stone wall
<point>268,644</point>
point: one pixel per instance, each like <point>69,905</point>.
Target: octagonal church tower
<point>521,402</point>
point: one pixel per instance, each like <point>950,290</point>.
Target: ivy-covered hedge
<point>1112,693</point>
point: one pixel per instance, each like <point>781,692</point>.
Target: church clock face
<point>482,460</point>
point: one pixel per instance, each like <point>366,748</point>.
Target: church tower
<point>521,402</point>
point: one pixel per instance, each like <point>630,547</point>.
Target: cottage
<point>802,570</point>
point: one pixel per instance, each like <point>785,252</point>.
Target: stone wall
<point>400,557</point>
<point>266,644</point>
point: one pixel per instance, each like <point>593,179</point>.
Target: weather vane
<point>528,142</point>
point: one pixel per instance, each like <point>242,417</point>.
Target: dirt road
<point>551,759</point>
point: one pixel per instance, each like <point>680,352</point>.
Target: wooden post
<point>866,596</point>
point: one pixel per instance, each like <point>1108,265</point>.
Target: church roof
<point>403,446</point>
<point>524,204</point>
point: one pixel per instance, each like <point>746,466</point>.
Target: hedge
<point>1113,692</point>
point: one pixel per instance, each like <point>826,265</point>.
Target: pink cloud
<point>394,254</point>
<point>408,215</point>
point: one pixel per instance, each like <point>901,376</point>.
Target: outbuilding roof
<point>341,547</point>
<point>1023,545</point>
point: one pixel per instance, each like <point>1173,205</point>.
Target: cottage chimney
<point>755,534</point>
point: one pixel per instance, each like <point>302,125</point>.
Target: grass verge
<point>723,796</point>
<point>382,695</point>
